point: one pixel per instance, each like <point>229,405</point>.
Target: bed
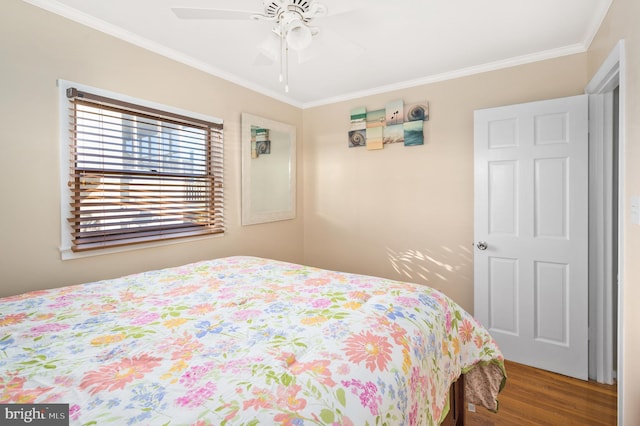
<point>245,341</point>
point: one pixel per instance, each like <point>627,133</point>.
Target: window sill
<point>67,254</point>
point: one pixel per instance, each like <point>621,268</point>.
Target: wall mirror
<point>268,170</point>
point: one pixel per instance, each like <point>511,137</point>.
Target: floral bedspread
<point>240,341</point>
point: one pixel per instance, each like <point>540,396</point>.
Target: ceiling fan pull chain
<point>286,69</point>
<point>282,54</point>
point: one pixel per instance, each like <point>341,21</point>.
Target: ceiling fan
<point>291,18</point>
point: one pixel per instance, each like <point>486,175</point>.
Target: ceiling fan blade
<point>315,10</point>
<point>329,43</point>
<point>346,7</point>
<point>192,13</point>
<point>262,60</point>
<point>269,50</point>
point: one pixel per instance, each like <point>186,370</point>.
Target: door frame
<point>610,75</point>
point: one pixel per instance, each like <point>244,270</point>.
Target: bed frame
<point>456,404</point>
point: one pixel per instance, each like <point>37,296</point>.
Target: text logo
<point>34,414</point>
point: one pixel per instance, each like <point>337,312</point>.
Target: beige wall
<point>36,48</point>
<point>622,23</point>
<point>404,213</point>
<point>407,212</point>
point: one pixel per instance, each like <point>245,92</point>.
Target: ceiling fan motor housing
<point>275,8</point>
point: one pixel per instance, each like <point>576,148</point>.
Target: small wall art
<point>396,123</point>
<point>357,134</point>
<point>260,142</point>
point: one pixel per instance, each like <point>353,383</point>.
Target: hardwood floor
<point>537,397</point>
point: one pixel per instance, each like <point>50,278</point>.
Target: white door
<point>531,232</point>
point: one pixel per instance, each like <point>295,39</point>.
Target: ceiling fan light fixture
<point>292,17</point>
<point>298,35</point>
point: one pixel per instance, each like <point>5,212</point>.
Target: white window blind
<point>139,174</point>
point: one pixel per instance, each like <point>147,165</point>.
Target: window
<point>139,174</point>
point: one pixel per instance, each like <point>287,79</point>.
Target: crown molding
<point>97,24</point>
<point>450,75</point>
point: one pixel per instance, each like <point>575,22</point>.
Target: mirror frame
<point>249,217</point>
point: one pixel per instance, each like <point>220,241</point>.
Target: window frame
<point>65,159</point>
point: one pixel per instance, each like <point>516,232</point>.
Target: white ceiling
<point>364,46</point>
